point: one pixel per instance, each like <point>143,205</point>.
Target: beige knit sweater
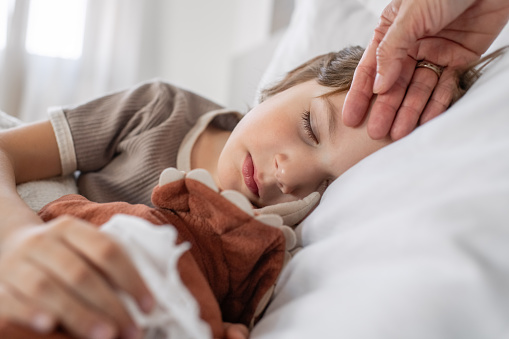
<point>121,142</point>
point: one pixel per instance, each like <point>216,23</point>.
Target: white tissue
<point>154,251</point>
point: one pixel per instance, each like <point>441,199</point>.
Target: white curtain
<point>119,49</point>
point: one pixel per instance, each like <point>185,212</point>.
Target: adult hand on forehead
<point>449,33</point>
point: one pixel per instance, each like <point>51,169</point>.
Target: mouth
<point>248,172</point>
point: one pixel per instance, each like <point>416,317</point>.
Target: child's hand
<point>66,272</point>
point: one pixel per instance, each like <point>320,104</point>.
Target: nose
<point>292,174</point>
<point>282,181</point>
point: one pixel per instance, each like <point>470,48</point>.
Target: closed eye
<point>306,122</point>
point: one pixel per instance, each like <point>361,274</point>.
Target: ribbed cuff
<point>64,140</point>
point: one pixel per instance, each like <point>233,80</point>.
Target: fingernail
<point>147,303</point>
<point>132,332</point>
<point>102,331</point>
<point>377,86</point>
<point>42,322</point>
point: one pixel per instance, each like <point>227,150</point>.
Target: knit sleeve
<point>98,127</point>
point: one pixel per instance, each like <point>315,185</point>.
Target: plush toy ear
<point>294,211</point>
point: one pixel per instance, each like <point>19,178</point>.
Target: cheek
<point>226,170</point>
<point>350,148</point>
<point>253,120</point>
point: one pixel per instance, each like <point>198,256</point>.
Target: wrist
<point>16,217</point>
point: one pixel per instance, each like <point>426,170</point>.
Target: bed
<point>413,241</point>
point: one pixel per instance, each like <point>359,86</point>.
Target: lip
<point>249,173</point>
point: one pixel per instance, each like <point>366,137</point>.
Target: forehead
<point>332,106</point>
<point>324,105</point>
<point>309,93</point>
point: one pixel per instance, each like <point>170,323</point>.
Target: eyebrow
<point>331,113</point>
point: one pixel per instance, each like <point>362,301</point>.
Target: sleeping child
<point>282,155</point>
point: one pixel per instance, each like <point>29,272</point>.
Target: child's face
<point>272,156</point>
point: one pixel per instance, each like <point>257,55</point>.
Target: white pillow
<point>412,242</point>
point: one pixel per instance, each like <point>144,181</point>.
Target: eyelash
<point>306,122</point>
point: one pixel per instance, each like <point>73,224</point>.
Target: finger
<point>393,48</point>
<point>111,260</point>
<point>418,93</point>
<point>359,95</point>
<point>81,280</point>
<point>16,308</point>
<point>236,331</point>
<point>46,294</point>
<point>442,96</point>
<point>387,104</point>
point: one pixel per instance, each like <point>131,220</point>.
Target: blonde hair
<point>336,70</point>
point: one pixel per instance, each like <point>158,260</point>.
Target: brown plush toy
<point>234,258</point>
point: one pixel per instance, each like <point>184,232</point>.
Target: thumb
<point>394,48</point>
<point>292,212</point>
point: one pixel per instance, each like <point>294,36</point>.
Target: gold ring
<point>426,64</point>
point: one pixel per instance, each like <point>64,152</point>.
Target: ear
<point>294,211</point>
